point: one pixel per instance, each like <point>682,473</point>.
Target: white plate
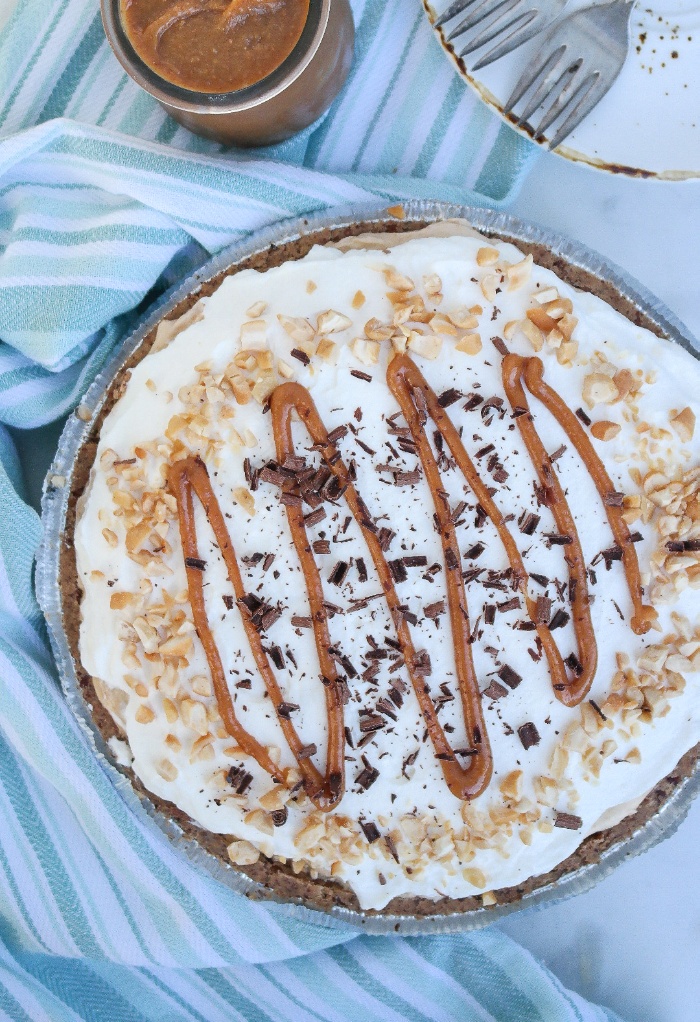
<point>648,125</point>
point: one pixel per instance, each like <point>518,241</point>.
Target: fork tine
<point>566,99</point>
<point>535,72</point>
<point>522,29</point>
<point>549,91</point>
<point>494,29</point>
<point>481,11</point>
<point>593,95</point>
<point>452,11</point>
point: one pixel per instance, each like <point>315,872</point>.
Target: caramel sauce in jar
<point>213,46</point>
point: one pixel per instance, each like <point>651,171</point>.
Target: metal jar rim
<point>217,103</point>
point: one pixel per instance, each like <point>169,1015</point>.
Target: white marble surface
<point>633,942</point>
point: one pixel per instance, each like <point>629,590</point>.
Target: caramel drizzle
<point>464,782</point>
<point>417,401</point>
<point>409,386</point>
<point>531,370</point>
<point>188,477</point>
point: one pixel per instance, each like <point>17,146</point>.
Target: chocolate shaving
<point>337,575</point>
<point>301,622</point>
<point>473,401</point>
<point>291,500</point>
<point>387,708</point>
<point>422,664</point>
<point>359,375</point>
<point>512,604</point>
<point>321,546</point>
<point>543,609</point>
<point>448,397</point>
<point>415,561</point>
<point>554,539</point>
<point>365,447</point>
<point>475,551</point>
<point>371,672</point>
<point>337,434</point>
<point>269,474</point>
<point>307,751</point>
<point>287,709</point>
<point>366,778</point>
<point>370,830</point>
<point>561,617</point>
<point>239,779</point>
<point>573,662</point>
<point>613,553</point>
<point>495,691</point>
<point>500,346</point>
<point>677,546</point>
<point>300,355</point>
<point>528,735</point>
<point>613,499</point>
<point>421,404</point>
<point>277,657</point>
<point>540,579</point>
<point>407,478</point>
<point>462,506</point>
<point>583,417</point>
<point>567,821</point>
<point>371,722</point>
<point>409,761</point>
<point>384,538</point>
<point>509,677</point>
<point>314,517</point>
<point>597,709</point>
<point>279,816</point>
<point>392,847</point>
<point>528,523</point>
<point>558,453</point>
<point>483,451</point>
<point>398,570</point>
<point>228,601</point>
<point>195,562</point>
<point>433,610</point>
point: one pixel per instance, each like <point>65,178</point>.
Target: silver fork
<point>575,65</point>
<point>509,23</point>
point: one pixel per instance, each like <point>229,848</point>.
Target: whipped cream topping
<point>557,771</point>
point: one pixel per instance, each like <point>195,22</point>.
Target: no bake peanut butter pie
<point>386,569</point>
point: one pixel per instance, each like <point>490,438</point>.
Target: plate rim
<point>562,150</point>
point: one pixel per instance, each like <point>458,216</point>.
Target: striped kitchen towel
<point>104,202</point>
<point>105,187</point>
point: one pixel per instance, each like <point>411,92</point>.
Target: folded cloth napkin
<point>99,917</point>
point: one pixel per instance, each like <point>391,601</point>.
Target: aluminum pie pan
<point>55,503</point>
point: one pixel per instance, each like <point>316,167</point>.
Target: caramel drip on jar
<point>464,782</point>
<point>531,370</point>
<point>188,477</point>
